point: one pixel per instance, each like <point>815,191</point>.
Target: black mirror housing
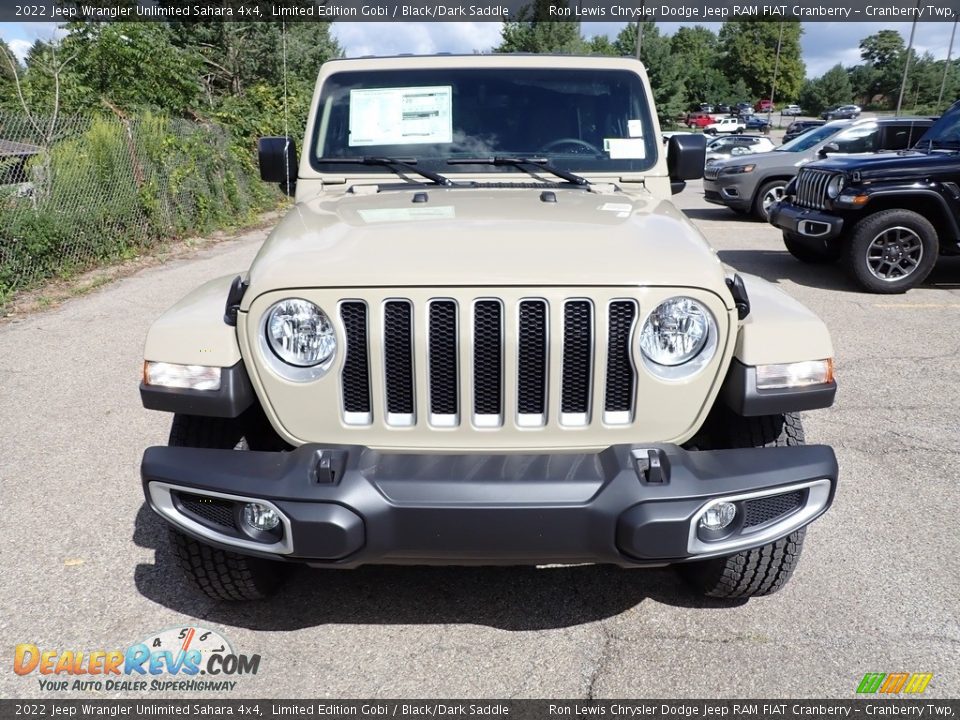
<point>686,155</point>
<point>828,148</point>
<point>278,162</point>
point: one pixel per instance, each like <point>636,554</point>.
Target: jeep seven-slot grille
<point>577,357</point>
<point>472,347</point>
<point>811,189</point>
<point>356,379</point>
<point>619,392</point>
<point>398,359</point>
<point>532,359</point>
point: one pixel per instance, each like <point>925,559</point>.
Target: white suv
<point>725,125</point>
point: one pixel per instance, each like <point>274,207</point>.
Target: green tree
<point>129,66</point>
<point>748,52</point>
<point>666,78</point>
<point>885,53</point>
<point>863,80</point>
<point>835,86</point>
<point>695,51</point>
<point>537,30</point>
<point>10,70</point>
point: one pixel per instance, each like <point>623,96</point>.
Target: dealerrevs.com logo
<point>184,659</point>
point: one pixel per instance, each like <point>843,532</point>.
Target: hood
<point>904,165</point>
<point>483,236</point>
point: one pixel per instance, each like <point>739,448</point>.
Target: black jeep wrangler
<point>887,216</point>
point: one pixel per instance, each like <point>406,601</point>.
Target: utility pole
<point>946,66</point>
<point>776,68</point>
<point>906,64</point>
<point>640,30</point>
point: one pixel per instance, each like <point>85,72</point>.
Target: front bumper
<point>734,191</point>
<point>804,223</point>
<point>627,505</point>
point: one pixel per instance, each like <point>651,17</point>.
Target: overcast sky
<point>824,44</point>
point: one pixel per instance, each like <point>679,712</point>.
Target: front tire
<point>766,569</point>
<point>767,195</point>
<point>892,251</point>
<point>222,574</point>
<point>811,255</point>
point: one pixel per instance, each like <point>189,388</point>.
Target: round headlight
<point>835,187</point>
<point>675,332</point>
<point>300,333</point>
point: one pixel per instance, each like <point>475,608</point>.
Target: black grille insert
<point>763,510</point>
<point>487,357</point>
<point>532,358</point>
<point>356,368</point>
<point>443,357</point>
<point>577,340</point>
<point>398,356</point>
<point>619,390</point>
<point>214,510</point>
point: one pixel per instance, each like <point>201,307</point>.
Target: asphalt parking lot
<point>86,566</point>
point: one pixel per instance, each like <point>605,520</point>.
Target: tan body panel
<point>193,332</point>
<point>779,329</point>
<point>665,411</point>
<point>496,237</point>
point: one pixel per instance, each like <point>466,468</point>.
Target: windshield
<point>579,120</point>
<point>809,139</point>
<point>945,131</point>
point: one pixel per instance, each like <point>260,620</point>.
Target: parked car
<point>754,183</point>
<point>725,125</point>
<point>667,134</point>
<point>723,148</point>
<point>886,217</point>
<point>743,108</point>
<point>722,108</point>
<point>791,110</point>
<point>843,112</point>
<point>799,127</point>
<point>763,106</point>
<point>581,380</point>
<point>757,122</point>
<point>699,120</point>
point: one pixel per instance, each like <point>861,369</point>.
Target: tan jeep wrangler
<point>484,335</point>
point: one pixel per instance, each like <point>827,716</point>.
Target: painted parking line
<point>915,306</point>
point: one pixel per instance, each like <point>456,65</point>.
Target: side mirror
<point>686,156</point>
<point>828,148</point>
<point>278,162</point>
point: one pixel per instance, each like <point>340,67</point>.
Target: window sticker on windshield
<point>635,128</point>
<point>625,148</point>
<point>401,116</point>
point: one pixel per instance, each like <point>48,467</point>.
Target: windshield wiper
<point>407,163</point>
<point>540,162</point>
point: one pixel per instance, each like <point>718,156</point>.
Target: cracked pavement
<point>86,566</point>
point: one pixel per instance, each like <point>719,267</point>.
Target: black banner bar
<point>893,707</point>
<point>474,10</point>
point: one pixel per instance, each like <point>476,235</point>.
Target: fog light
<point>718,516</point>
<point>260,517</point>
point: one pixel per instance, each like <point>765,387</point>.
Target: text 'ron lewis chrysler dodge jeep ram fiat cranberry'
<point>484,335</point>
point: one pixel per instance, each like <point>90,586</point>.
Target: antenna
<point>286,113</point>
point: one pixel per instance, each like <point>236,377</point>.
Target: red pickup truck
<point>699,120</point>
<point>763,106</point>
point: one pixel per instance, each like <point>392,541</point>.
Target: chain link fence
<point>76,192</point>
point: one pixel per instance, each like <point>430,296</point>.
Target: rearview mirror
<point>686,155</point>
<point>278,162</point>
<point>828,148</point>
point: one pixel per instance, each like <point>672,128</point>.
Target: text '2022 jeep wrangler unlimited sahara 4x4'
<point>484,335</point>
<point>886,216</point>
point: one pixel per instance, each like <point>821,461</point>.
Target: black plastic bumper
<point>348,506</point>
<point>807,225</point>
